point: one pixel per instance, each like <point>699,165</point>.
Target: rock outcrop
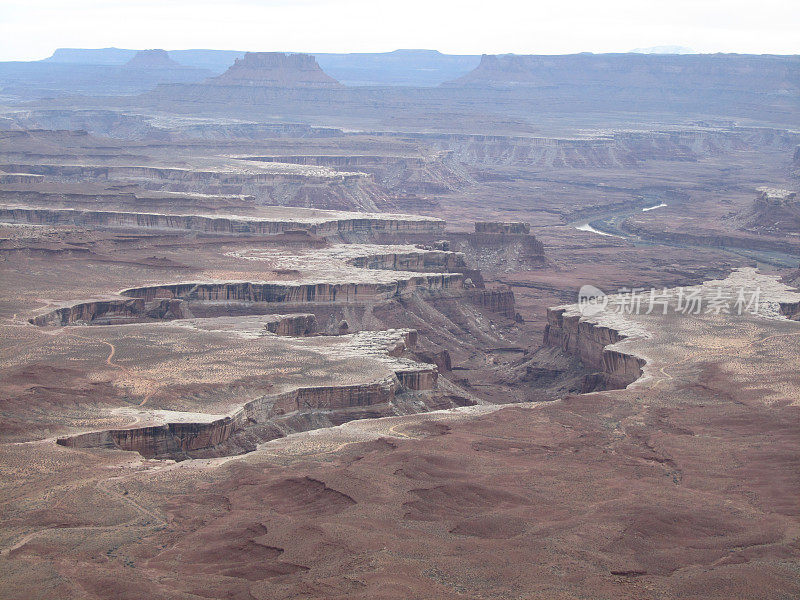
<point>791,310</point>
<point>775,211</point>
<point>500,247</point>
<point>306,187</point>
<point>427,261</point>
<point>513,227</point>
<point>275,69</point>
<point>294,325</point>
<point>205,299</point>
<point>411,383</point>
<point>295,292</point>
<point>499,300</point>
<point>588,340</point>
<point>114,311</point>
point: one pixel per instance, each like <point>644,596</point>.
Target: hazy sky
<point>32,29</point>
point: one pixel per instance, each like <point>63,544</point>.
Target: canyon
<point>276,325</point>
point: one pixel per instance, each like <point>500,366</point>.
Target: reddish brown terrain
<point>269,336</point>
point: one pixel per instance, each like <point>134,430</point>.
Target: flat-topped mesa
<point>497,245</point>
<point>214,299</point>
<point>268,292</point>
<point>424,261</point>
<point>775,210</point>
<point>276,69</point>
<point>513,227</point>
<point>152,59</point>
<point>507,69</point>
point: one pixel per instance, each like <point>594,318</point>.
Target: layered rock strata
<point>324,226</point>
<point>496,246</point>
<point>594,344</point>
<point>336,283</point>
<point>272,416</point>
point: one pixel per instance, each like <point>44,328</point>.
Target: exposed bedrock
<point>115,312</point>
<point>410,182</point>
<point>321,227</point>
<point>791,310</point>
<point>275,69</point>
<point>298,292</point>
<point>427,261</point>
<point>774,211</point>
<point>619,149</point>
<point>8,178</point>
<point>141,172</point>
<point>792,278</point>
<point>505,248</point>
<point>503,251</point>
<point>327,301</point>
<point>338,160</point>
<point>588,341</point>
<point>411,387</point>
<point>124,198</point>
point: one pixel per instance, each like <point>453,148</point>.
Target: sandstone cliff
<point>513,227</point>
<point>338,224</point>
<point>411,386</point>
<point>500,247</point>
<point>588,340</point>
<point>774,211</point>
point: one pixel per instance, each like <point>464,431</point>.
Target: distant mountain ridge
<point>664,50</point>
<point>688,74</point>
<point>765,88</point>
<point>411,67</point>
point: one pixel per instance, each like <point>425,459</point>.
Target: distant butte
<point>152,59</point>
<point>276,69</point>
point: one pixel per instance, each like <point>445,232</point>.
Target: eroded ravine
<point>305,309</point>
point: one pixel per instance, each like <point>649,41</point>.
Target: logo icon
<point>591,300</point>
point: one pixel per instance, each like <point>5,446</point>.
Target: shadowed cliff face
<point>353,223</point>
<point>588,341</point>
<point>407,386</point>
